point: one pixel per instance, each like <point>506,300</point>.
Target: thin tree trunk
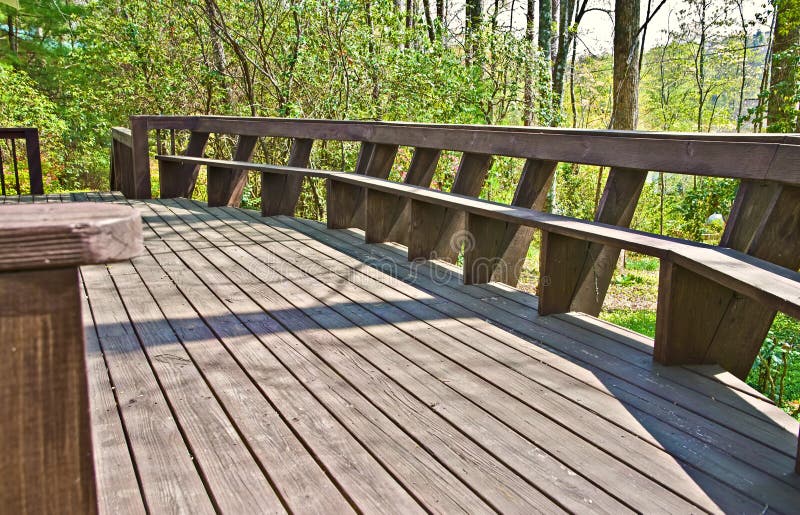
<point>426,5</point>
<point>626,63</point>
<point>740,6</point>
<point>527,117</point>
<point>782,106</point>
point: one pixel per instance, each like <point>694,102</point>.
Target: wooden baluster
<point>280,192</point>
<point>136,184</point>
<point>469,181</point>
<point>34,158</point>
<point>374,160</point>
<point>420,173</point>
<point>225,185</point>
<point>178,179</point>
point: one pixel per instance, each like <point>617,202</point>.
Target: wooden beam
<point>281,192</point>
<point>380,210</point>
<point>617,207</point>
<point>532,189</point>
<point>374,160</point>
<point>420,173</point>
<point>46,449</point>
<point>178,179</point>
<point>226,185</point>
<point>482,249</point>
<point>764,223</point>
<point>426,224</point>
<point>559,271</point>
<point>469,181</point>
<point>341,201</point>
<point>137,184</point>
<point>34,158</point>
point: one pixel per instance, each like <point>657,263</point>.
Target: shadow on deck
<point>247,364</point>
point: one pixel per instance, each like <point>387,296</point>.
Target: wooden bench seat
<point>773,285</point>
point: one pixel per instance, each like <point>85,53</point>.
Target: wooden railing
<point>708,312</point>
<point>31,138</point>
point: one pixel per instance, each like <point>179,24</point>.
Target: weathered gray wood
<point>46,450</point>
<point>137,185</point>
<point>420,173</point>
<point>36,236</point>
<point>425,230</point>
<point>532,189</point>
<point>469,181</point>
<point>342,200</point>
<point>225,185</point>
<point>482,252</point>
<point>177,179</point>
<point>280,192</point>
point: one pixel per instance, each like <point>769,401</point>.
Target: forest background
<point>75,68</point>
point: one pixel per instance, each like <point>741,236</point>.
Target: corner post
<point>137,185</point>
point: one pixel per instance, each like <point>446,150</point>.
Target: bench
<point>682,262</point>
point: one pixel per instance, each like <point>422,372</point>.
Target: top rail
<point>759,157</point>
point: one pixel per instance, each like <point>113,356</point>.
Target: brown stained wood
<point>481,313</point>
<point>558,272</point>
<point>735,156</point>
<point>373,161</point>
<point>342,200</point>
<point>604,350</point>
<point>280,192</point>
<point>469,181</point>
<point>617,207</point>
<point>426,224</point>
<point>225,186</point>
<point>532,189</point>
<point>420,173</point>
<point>137,184</point>
<point>482,253</point>
<point>679,332</point>
<point>379,215</point>
<point>178,179</point>
<point>38,236</point>
<point>46,450</point>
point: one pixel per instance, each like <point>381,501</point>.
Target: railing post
<point>425,230</point>
<point>178,179</point>
<point>33,154</point>
<point>482,249</point>
<point>374,160</point>
<point>342,199</point>
<point>137,184</point>
<point>279,191</point>
<point>46,448</point>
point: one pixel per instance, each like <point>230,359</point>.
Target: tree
<point>782,106</point>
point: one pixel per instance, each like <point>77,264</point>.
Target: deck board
<point>273,365</point>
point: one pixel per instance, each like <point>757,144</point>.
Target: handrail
<point>31,137</point>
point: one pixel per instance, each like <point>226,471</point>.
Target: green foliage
<point>641,321</point>
<point>776,371</point>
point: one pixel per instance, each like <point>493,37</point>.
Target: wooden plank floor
<point>260,365</point>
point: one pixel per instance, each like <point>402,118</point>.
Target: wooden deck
<point>248,364</point>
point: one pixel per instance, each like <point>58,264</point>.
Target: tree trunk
<point>13,44</point>
<point>782,103</point>
<point>545,27</point>
<point>626,62</point>
<point>426,5</point>
<point>527,116</point>
<point>473,12</point>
